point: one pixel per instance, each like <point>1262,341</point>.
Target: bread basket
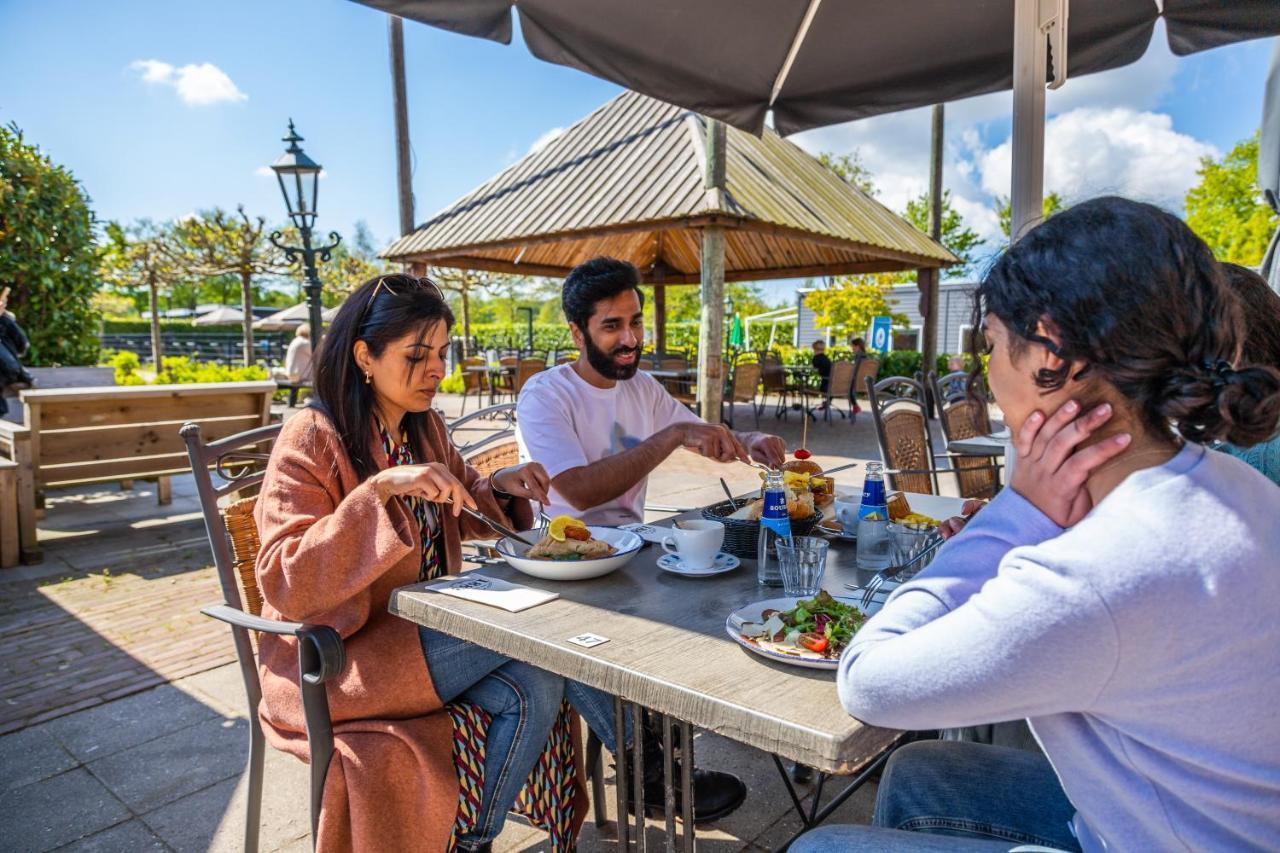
<point>741,537</point>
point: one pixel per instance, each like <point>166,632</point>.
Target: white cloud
<point>545,139</point>
<point>264,172</point>
<point>197,85</point>
<point>1091,151</point>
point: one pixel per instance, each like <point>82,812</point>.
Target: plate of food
<point>571,550</point>
<point>808,632</point>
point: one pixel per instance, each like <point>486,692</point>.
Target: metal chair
<point>240,462</point>
<point>962,412</point>
<point>743,388</point>
<point>902,431</point>
<point>773,380</point>
<point>681,389</point>
<point>864,367</point>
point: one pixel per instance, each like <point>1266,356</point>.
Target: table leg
<point>668,782</point>
<point>816,816</point>
<point>686,784</point>
<point>637,715</point>
<point>620,769</point>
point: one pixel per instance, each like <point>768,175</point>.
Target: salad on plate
<point>820,626</point>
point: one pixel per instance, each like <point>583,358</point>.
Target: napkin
<point>494,592</point>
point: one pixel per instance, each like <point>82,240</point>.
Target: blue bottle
<point>874,551</point>
<point>775,524</point>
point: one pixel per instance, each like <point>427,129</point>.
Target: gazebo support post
<point>927,279</point>
<point>711,333</point>
<point>1030,62</point>
<point>660,318</point>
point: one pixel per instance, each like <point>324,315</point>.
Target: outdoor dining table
<point>979,445</point>
<point>667,650</point>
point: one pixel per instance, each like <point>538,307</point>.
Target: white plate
<point>773,651</point>
<point>626,543</point>
<point>722,563</point>
<point>836,530</point>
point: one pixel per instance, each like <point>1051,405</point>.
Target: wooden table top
<point>668,649</point>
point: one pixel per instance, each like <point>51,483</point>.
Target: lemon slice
<point>559,523</point>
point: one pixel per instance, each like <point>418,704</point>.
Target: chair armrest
<point>326,656</point>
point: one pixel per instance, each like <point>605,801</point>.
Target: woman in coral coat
<point>364,494</point>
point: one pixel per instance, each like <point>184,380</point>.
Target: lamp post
<point>299,178</point>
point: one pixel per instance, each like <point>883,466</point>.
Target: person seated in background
<point>1261,346</point>
<point>13,345</point>
<point>859,347</point>
<point>1114,343</point>
<point>822,365</point>
<point>297,359</point>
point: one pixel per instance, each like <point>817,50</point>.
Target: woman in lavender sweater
<point>1121,597</point>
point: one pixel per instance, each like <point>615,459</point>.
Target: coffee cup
<point>696,542</point>
<point>846,508</point>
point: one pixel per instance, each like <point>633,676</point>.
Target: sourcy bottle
<point>775,524</point>
<point>874,551</point>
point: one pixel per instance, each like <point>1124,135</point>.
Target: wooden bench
<point>109,434</point>
<point>8,513</point>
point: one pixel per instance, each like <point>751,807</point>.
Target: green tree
<point>351,264</point>
<point>850,304</point>
<point>1004,209</point>
<point>468,285</point>
<point>850,168</point>
<point>218,243</point>
<point>141,257</point>
<point>1227,209</point>
<point>959,238</point>
<point>47,253</point>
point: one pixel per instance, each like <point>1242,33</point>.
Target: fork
<point>870,590</point>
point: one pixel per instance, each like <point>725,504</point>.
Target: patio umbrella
<point>814,63</point>
<point>287,318</point>
<point>220,316</point>
<point>735,332</point>
<point>1269,163</point>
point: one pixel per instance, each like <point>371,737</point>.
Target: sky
<point>161,109</point>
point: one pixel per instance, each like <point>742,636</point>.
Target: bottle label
<point>775,515</point>
<point>873,506</point>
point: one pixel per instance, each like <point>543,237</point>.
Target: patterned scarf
<point>431,566</point>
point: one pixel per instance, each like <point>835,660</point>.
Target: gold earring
<point>368,378</point>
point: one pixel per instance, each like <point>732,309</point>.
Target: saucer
<point>836,529</point>
<point>723,563</point>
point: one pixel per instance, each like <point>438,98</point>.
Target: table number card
<point>588,641</point>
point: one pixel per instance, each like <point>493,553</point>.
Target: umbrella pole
<point>1030,60</point>
<point>711,334</point>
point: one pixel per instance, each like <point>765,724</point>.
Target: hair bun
<point>1214,400</point>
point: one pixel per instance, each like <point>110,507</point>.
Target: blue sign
<point>880,333</point>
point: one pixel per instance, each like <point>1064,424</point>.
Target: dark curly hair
<point>1139,300</point>
<point>594,280</point>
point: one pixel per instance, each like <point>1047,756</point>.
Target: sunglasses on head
<point>422,283</point>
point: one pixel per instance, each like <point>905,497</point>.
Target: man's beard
<point>604,364</point>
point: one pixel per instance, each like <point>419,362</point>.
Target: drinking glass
<point>909,541</point>
<point>803,561</point>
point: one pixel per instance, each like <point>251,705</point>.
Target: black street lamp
<point>299,178</point>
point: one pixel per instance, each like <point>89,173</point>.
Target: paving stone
<point>56,811</point>
<point>213,819</point>
<point>221,687</point>
<point>162,770</point>
<point>133,837</point>
<point>108,729</point>
<point>31,755</point>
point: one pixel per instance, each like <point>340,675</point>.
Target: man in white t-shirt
<point>598,425</point>
<point>599,428</point>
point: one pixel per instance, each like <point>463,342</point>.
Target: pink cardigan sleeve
<point>321,549</point>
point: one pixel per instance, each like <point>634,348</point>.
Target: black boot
<point>715,794</point>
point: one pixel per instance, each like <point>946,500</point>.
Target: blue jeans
<point>524,702</point>
<point>947,795</point>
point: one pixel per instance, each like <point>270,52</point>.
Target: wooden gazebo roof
<point>627,181</point>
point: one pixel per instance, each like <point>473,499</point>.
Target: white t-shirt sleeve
<point>544,431</point>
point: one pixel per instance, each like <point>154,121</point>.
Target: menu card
<point>493,592</point>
